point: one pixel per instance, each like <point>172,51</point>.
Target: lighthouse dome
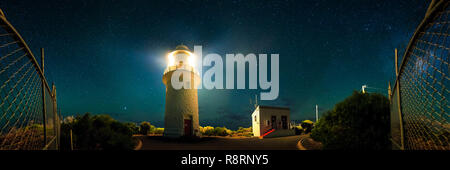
<point>182,47</point>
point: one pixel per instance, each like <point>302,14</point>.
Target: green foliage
<point>247,132</point>
<point>99,132</point>
<point>298,130</point>
<point>207,131</point>
<point>307,126</point>
<point>220,131</point>
<point>360,122</point>
<point>37,127</point>
<point>223,131</point>
<point>159,131</point>
<point>133,127</point>
<point>146,128</point>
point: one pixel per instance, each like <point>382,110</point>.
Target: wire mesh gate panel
<point>28,119</point>
<point>420,109</point>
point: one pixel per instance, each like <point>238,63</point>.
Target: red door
<point>187,127</point>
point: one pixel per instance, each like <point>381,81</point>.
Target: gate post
<point>397,86</point>
<point>44,109</point>
<point>56,118</point>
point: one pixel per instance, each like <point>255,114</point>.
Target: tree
<point>145,128</point>
<point>360,122</point>
<point>133,127</point>
<point>99,132</point>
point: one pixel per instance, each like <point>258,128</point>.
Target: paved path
<point>219,143</point>
<point>307,143</point>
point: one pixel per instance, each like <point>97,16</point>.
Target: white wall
<point>180,104</point>
<point>255,123</point>
<point>263,121</point>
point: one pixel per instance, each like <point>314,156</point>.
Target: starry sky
<point>107,56</point>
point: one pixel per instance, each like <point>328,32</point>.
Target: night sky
<point>108,56</point>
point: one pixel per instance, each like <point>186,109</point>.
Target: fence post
<point>55,116</point>
<point>389,92</point>
<point>397,86</point>
<point>44,109</point>
<point>71,140</point>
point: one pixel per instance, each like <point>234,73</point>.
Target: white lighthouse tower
<point>181,114</point>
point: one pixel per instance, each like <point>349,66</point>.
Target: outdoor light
<point>191,59</point>
<point>172,57</point>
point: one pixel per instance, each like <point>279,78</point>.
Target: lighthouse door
<point>187,127</point>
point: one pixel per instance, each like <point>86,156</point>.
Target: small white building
<point>270,121</point>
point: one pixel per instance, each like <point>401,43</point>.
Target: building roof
<point>274,107</point>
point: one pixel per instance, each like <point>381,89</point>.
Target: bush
<point>159,131</point>
<point>298,130</point>
<point>223,131</point>
<point>99,132</point>
<point>133,127</point>
<point>247,132</point>
<point>145,128</point>
<point>220,131</point>
<point>360,122</point>
<point>307,126</point>
<point>207,131</point>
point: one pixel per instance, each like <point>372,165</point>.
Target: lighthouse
<point>181,110</point>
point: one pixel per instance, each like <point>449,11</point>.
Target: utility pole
<point>256,101</point>
<point>317,113</point>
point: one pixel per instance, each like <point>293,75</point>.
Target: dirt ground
<point>218,143</point>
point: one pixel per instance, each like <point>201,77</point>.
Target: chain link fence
<point>419,105</point>
<point>28,118</point>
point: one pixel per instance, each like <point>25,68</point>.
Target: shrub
<point>207,131</point>
<point>133,127</point>
<point>159,131</point>
<point>223,131</point>
<point>220,131</point>
<point>307,126</point>
<point>96,133</point>
<point>298,130</point>
<point>360,122</point>
<point>146,128</point>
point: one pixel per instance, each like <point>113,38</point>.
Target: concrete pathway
<point>218,143</point>
<point>307,143</point>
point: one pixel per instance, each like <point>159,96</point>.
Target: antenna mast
<point>256,101</point>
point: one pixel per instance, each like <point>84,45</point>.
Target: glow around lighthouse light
<point>171,58</point>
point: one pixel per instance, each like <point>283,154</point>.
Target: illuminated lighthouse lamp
<point>181,58</point>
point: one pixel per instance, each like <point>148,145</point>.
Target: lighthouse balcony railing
<point>182,67</point>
